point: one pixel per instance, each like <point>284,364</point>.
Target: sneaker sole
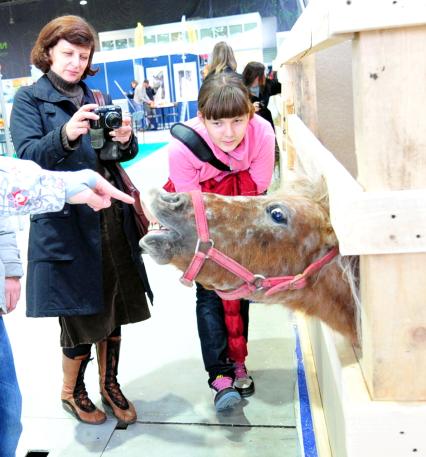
<point>246,391</point>
<point>227,401</point>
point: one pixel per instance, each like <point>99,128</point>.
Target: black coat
<point>64,253</point>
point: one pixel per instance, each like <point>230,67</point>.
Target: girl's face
<point>69,61</point>
<point>226,133</point>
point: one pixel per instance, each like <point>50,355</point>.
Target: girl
<point>245,143</point>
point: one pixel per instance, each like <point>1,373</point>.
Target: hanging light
<point>11,20</point>
<point>83,2</point>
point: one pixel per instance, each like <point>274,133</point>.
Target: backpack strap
<point>197,145</point>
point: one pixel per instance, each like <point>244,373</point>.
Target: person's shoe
<point>226,396</point>
<point>74,395</point>
<point>243,383</point>
<point>108,351</point>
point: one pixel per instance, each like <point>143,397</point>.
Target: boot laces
<point>80,394</point>
<point>112,386</point>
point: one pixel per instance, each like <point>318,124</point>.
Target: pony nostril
<point>174,200</point>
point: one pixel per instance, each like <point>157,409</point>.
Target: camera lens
<point>113,120</point>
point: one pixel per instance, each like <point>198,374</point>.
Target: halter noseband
<point>252,282</point>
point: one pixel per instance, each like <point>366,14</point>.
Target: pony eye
<point>278,216</point>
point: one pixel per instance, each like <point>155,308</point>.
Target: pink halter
<point>252,282</point>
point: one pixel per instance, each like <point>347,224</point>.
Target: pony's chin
<point>158,244</point>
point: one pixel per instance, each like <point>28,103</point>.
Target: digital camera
<point>110,117</point>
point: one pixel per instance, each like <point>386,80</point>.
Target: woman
<point>84,267</point>
<point>261,89</point>
<point>245,143</point>
<point>222,59</point>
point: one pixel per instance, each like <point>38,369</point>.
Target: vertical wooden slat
<point>389,75</point>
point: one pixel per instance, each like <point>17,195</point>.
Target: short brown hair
<point>73,29</point>
<point>224,96</point>
<point>252,71</point>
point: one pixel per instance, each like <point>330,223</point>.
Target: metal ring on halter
<point>258,279</point>
<point>197,247</point>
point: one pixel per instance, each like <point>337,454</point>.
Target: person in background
<point>222,60</point>
<point>150,92</point>
<point>143,99</point>
<point>49,125</point>
<point>244,142</point>
<point>131,92</point>
<point>26,188</point>
<point>261,89</point>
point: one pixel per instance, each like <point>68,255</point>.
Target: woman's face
<point>69,61</point>
<point>226,133</point>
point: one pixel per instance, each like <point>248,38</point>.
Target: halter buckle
<point>257,281</point>
<point>186,282</point>
<point>199,242</point>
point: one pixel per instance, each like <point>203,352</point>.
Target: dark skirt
<point>124,293</point>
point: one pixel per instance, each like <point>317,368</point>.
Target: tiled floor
<point>161,371</point>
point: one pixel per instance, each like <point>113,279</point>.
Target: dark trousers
<point>213,333</point>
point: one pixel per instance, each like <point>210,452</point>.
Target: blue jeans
<point>213,333</point>
<point>10,398</point>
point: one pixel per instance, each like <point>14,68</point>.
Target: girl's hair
<point>73,29</point>
<point>224,96</point>
<point>222,57</point>
<point>252,71</point>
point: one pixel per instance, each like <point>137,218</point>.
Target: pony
<point>275,248</point>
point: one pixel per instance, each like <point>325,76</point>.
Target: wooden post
<point>389,75</point>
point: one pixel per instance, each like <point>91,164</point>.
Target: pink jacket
<point>255,153</point>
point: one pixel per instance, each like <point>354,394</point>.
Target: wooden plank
<point>390,138</point>
<point>347,16</point>
<point>326,23</point>
<point>309,34</point>
<point>358,426</point>
<point>386,222</point>
<point>392,222</point>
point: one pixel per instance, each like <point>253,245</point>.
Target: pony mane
<point>305,187</point>
<point>316,191</point>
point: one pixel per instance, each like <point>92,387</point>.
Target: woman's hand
<point>256,106</point>
<point>79,123</point>
<point>123,134</point>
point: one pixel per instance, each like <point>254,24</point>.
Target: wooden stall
<point>354,85</point>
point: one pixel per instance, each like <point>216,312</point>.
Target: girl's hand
<point>79,123</point>
<point>123,134</point>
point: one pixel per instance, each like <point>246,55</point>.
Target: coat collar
<point>44,90</point>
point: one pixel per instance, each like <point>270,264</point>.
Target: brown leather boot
<point>74,395</point>
<point>108,356</point>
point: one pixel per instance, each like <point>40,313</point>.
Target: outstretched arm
<point>27,188</point>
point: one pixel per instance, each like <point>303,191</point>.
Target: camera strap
<point>197,145</point>
<point>97,138</point>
